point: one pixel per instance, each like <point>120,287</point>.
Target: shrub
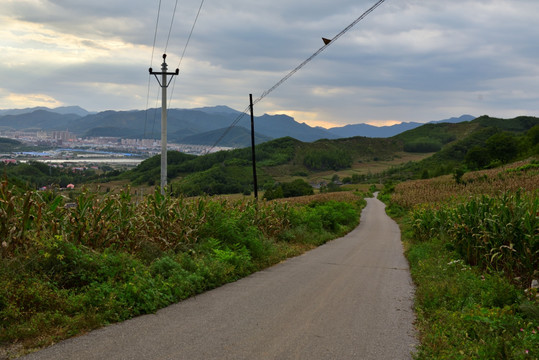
<point>298,187</point>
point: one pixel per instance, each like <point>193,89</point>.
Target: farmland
<point>68,268</point>
<point>473,246</point>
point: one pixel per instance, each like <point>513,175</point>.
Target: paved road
<point>349,299</point>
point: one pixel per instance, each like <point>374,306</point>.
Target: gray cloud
<point>409,60</point>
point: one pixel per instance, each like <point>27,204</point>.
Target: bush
<point>298,187</point>
<point>423,146</point>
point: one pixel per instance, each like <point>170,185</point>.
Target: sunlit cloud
<point>28,100</point>
<point>310,118</point>
<point>383,122</point>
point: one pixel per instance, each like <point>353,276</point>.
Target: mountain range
<point>203,126</point>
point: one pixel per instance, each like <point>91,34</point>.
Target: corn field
<point>487,182</point>
<point>117,221</point>
<point>498,233</point>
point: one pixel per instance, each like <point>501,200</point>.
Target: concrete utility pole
<point>255,182</point>
<point>164,84</point>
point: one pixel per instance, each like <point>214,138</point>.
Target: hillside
<point>9,145</point>
<point>230,171</point>
<point>435,148</point>
<point>481,143</point>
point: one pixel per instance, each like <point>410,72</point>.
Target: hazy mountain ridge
<point>388,131</point>
<point>188,125</point>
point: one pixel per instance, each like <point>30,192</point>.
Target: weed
<point>68,270</point>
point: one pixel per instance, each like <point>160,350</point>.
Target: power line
<point>155,33</point>
<point>234,123</point>
<point>184,49</point>
<point>151,65</point>
<point>171,23</point>
<point>327,42</point>
<point>191,32</point>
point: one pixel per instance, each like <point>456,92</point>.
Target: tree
<point>457,175</point>
<point>503,146</point>
<point>477,157</point>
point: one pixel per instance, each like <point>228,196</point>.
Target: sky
<point>409,60</point>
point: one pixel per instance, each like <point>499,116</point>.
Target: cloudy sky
<point>409,60</point>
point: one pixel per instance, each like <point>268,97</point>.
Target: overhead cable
<point>191,33</point>
<point>151,65</point>
<point>170,28</point>
<point>184,49</point>
<point>155,33</point>
<point>327,42</point>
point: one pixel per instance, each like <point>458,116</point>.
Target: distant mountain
<point>182,124</point>
<point>219,109</point>
<point>388,131</point>
<point>373,131</point>
<point>64,110</point>
<point>277,126</point>
<point>38,120</point>
<point>188,125</point>
<point>77,110</point>
<point>455,120</point>
<point>147,124</point>
<point>273,126</point>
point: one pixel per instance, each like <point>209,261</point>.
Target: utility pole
<point>253,145</point>
<point>164,84</point>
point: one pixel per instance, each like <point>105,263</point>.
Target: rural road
<point>349,299</point>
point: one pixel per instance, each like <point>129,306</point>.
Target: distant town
<point>66,147</point>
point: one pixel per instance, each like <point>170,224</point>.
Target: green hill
<point>287,158</point>
<point>9,145</point>
<point>483,142</point>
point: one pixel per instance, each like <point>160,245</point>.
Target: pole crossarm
<point>155,73</point>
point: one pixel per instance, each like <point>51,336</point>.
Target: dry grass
<point>282,173</point>
<point>487,182</point>
<point>344,196</point>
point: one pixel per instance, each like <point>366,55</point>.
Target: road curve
<point>348,299</point>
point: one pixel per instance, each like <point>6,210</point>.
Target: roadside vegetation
<point>473,248</point>
<point>67,268</point>
<point>466,196</point>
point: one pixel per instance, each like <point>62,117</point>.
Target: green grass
<point>71,270</point>
<point>465,311</point>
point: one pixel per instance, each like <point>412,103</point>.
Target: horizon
<point>378,124</point>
